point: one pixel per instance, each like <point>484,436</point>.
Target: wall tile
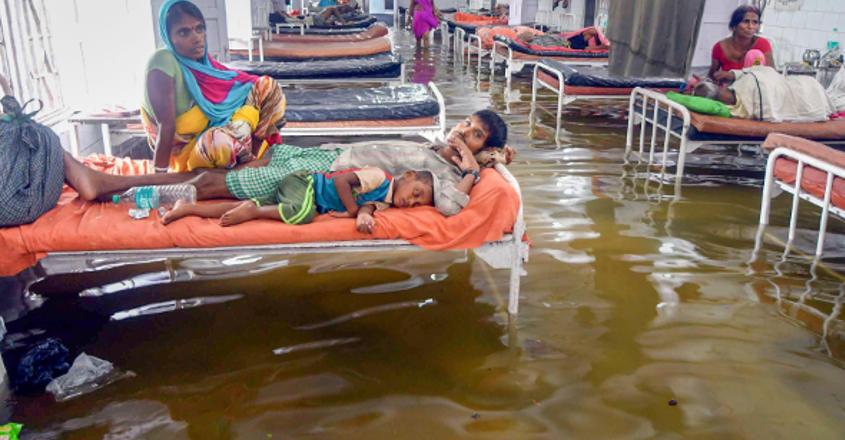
<point>815,20</point>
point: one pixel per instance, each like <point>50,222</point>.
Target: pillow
<point>700,104</point>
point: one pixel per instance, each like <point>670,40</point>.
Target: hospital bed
<point>677,125</point>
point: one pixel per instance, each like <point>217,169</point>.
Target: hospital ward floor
<point>643,314</point>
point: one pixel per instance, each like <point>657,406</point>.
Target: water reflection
<point>638,292</point>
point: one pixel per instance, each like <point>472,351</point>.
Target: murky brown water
<point>632,298</point>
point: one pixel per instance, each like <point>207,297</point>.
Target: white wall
<point>811,27</point>
<point>101,50</point>
<point>714,27</point>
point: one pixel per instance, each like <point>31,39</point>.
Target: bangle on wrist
<point>475,173</point>
<point>161,169</point>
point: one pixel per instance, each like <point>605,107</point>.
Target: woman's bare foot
<point>180,209</point>
<point>244,212</point>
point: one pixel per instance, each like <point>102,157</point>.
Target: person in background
<point>198,113</point>
<point>422,17</point>
<point>744,48</point>
<point>587,39</point>
<point>278,11</point>
<point>763,94</point>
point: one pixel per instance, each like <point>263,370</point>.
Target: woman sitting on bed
<point>197,113</point>
<point>744,48</point>
<point>454,163</point>
<point>586,39</point>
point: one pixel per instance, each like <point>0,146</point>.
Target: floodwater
<point>634,296</point>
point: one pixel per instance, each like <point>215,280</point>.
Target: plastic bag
<point>836,90</point>
<point>87,374</point>
<point>39,365</point>
<point>10,431</point>
<point>31,166</point>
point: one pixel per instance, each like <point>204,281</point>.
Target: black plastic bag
<point>39,365</point>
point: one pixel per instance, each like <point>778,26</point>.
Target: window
<point>27,58</point>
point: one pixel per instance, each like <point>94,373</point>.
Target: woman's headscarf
<point>217,90</point>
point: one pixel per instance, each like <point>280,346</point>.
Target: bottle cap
<point>115,199</point>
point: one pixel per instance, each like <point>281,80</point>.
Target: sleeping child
<point>354,193</point>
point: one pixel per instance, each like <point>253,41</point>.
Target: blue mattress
<point>356,104</point>
<point>594,76</point>
<point>383,65</point>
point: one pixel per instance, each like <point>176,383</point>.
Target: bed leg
<point>823,220</point>
<point>768,184</point>
<point>516,272</point>
<point>508,72</point>
<point>682,155</point>
<point>796,197</point>
<point>631,118</point>
<point>560,92</point>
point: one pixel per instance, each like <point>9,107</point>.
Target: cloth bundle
<point>31,166</point>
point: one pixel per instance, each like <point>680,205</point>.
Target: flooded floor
<point>634,296</point>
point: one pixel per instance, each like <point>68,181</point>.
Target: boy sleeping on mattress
<point>355,192</point>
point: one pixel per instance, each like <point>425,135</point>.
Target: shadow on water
<point>638,291</point>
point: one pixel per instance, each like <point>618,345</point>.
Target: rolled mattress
<point>305,51</point>
<point>374,31</point>
<point>383,65</point>
<point>359,23</point>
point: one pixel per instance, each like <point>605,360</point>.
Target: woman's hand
<point>724,76</point>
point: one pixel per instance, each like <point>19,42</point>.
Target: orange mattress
<point>374,31</point>
<point>487,33</point>
<point>828,130</point>
<point>304,50</point>
<point>813,180</point>
<point>467,18</point>
<point>75,225</point>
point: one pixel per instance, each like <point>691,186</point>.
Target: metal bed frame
<point>469,44</point>
<point>562,98</point>
<point>650,107</point>
<point>770,181</point>
<point>509,252</point>
<point>513,65</point>
<point>429,132</point>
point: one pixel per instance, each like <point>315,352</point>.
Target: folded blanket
<point>75,225</point>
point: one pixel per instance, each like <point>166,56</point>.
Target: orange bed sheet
<point>76,225</point>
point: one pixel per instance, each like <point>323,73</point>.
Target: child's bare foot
<point>244,212</point>
<point>180,209</point>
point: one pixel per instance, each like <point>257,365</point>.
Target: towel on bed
<point>75,225</point>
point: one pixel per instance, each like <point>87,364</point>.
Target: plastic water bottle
<point>152,197</point>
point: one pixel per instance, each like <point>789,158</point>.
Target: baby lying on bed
<point>302,195</point>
